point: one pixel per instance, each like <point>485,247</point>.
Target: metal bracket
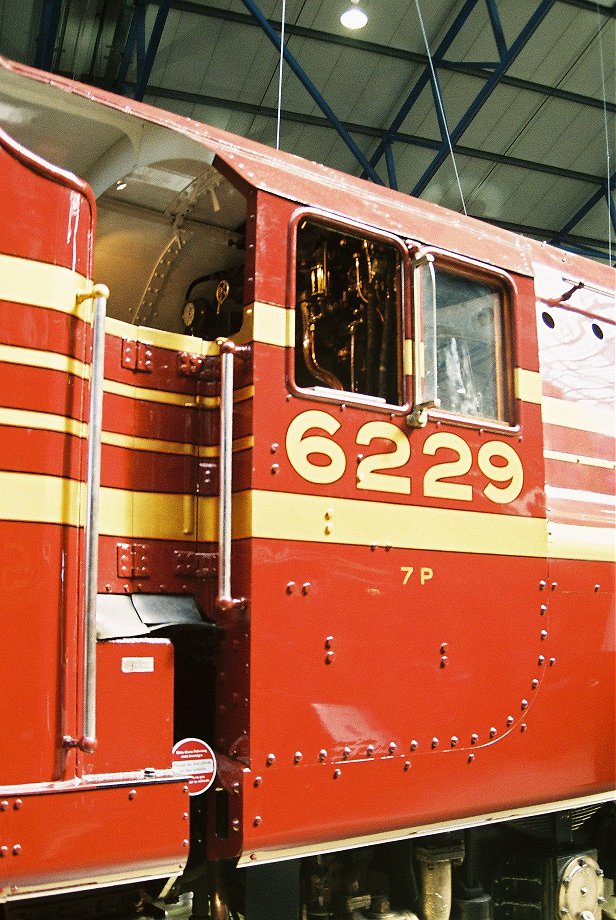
<point>137,356</point>
<point>201,565</point>
<point>133,561</point>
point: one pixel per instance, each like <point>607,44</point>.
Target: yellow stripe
<point>576,415</point>
<point>174,341</point>
<point>271,325</point>
<point>41,285</point>
<point>285,516</point>
<point>527,385</point>
<point>407,358</point>
<point>45,421</point>
<point>49,360</point>
<point>583,461</point>
<point>41,499</point>
<point>571,541</point>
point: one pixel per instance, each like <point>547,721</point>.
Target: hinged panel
<point>137,356</point>
<point>133,560</point>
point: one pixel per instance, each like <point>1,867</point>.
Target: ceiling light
<point>354,17</point>
<point>120,184</point>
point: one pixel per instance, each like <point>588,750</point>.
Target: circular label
<point>194,759</point>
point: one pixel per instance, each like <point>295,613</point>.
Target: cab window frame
<point>503,340</point>
<point>336,224</point>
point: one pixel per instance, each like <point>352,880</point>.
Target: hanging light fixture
<point>354,17</point>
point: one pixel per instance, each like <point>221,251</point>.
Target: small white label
<point>137,665</point>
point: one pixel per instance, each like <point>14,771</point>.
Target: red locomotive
<point>307,550</point>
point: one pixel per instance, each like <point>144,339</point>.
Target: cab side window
<point>470,357</point>
<point>348,313</point>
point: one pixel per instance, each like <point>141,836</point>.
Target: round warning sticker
<point>195,759</point>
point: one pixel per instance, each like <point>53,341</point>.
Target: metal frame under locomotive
<point>373,656</point>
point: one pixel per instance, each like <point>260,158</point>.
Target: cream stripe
<point>571,541</point>
<point>45,421</point>
<point>527,385</point>
<point>407,358</point>
<point>174,341</point>
<point>576,415</point>
<point>583,461</point>
<point>48,360</point>
<point>41,499</point>
<point>285,516</point>
<point>272,325</point>
<point>41,285</point>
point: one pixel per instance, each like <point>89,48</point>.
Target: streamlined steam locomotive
<point>306,537</point>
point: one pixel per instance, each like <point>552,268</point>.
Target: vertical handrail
<point>100,294</point>
<point>225,600</point>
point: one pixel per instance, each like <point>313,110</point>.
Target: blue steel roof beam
<point>48,31</point>
<point>485,92</point>
<point>391,166</point>
<point>424,79</point>
<point>497,29</point>
<point>605,190</point>
<point>313,91</point>
<point>136,36</point>
<point>144,68</point>
<point>612,207</point>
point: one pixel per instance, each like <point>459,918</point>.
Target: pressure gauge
<point>188,314</point>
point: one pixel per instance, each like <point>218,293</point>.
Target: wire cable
<point>439,100</point>
<point>280,69</point>
<point>607,136</point>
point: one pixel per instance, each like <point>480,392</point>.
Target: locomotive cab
<point>355,500</point>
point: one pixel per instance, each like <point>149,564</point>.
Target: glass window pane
<point>469,330</point>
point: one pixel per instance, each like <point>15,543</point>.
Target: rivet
<point>257,821</point>
<point>297,757</point>
<point>600,899</point>
<point>597,587</point>
<point>435,742</point>
<point>540,660</point>
<point>271,759</point>
<point>17,804</point>
<point>346,751</point>
<point>132,794</point>
<point>253,856</point>
<point>544,633</point>
<point>535,684</point>
<point>185,816</point>
<point>599,872</point>
<point>322,754</point>
<point>337,773</point>
<point>257,781</point>
<point>329,514</point>
<point>524,704</point>
<point>414,745</point>
<point>470,758</point>
<point>510,720</point>
<point>275,468</point>
<point>543,609</point>
<point>274,447</point>
<point>360,457</point>
<point>443,648</point>
<point>329,657</point>
<point>290,587</point>
<point>4,805</point>
<point>16,849</point>
<point>185,842</point>
<point>387,547</point>
<point>392,747</point>
<point>342,407</point>
<point>552,661</point>
<point>235,824</point>
<point>542,586</point>
<point>454,740</point>
<point>523,727</point>
<point>3,851</point>
<point>370,750</point>
<point>184,789</point>
<point>373,547</point>
<point>554,585</point>
<point>474,738</point>
<point>328,641</point>
<point>493,732</point>
<point>305,588</point>
<point>444,661</point>
<point>407,765</point>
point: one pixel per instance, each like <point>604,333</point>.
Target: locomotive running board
<point>406,833</point>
